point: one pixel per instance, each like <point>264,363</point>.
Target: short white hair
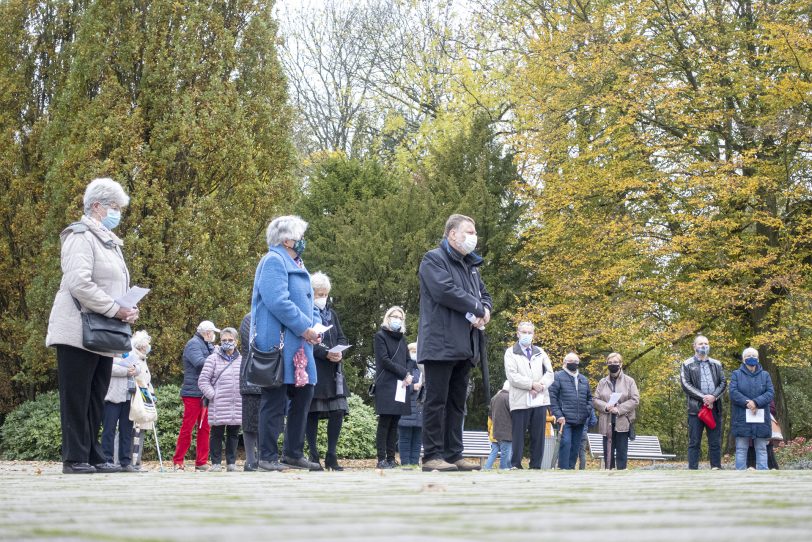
<point>389,313</point>
<point>140,338</point>
<point>749,353</point>
<point>526,323</point>
<point>572,356</point>
<point>698,338</point>
<point>285,228</point>
<point>319,280</point>
<point>106,191</point>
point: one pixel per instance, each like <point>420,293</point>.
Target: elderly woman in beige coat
<point>616,413</point>
<point>530,374</point>
<point>94,275</point>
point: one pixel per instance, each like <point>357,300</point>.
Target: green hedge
<point>32,431</point>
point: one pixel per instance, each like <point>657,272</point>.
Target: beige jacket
<point>626,406</point>
<point>119,379</point>
<point>94,272</point>
<point>521,373</point>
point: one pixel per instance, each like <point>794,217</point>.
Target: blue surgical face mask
<point>112,219</point>
<point>299,246</point>
<point>148,349</point>
<point>702,350</point>
<point>395,324</point>
<point>525,339</point>
<point>752,362</point>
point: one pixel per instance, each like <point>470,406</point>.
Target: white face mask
<point>413,356</point>
<point>320,302</point>
<point>469,243</point>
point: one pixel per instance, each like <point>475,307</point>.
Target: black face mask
<point>614,369</point>
<point>572,367</point>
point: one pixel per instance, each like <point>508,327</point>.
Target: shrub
<point>795,454</point>
<point>170,416</point>
<point>32,431</point>
<point>357,440</point>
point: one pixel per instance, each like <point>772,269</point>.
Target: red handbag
<point>706,415</point>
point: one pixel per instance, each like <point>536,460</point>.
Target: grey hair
<point>140,338</point>
<point>526,323</point>
<point>696,339</point>
<point>285,228</point>
<point>320,280</point>
<point>454,222</point>
<point>749,352</point>
<point>412,345</point>
<point>106,191</point>
<point>389,312</point>
<point>572,355</point>
<point>230,330</point>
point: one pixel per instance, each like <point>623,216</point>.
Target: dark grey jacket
<point>194,357</point>
<point>245,342</point>
<point>417,398</point>
<point>450,287</point>
<point>690,378</point>
<point>574,405</point>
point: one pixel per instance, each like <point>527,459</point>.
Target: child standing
<point>500,429</point>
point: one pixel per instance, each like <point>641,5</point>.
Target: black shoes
<point>385,464</point>
<point>331,463</point>
<point>107,468</point>
<point>250,467</point>
<point>315,461</point>
<point>299,463</point>
<point>69,467</point>
<point>273,466</point>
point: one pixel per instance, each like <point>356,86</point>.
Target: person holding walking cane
<point>616,399</point>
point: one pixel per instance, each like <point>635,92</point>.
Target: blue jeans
<point>409,441</point>
<point>570,445</point>
<point>505,450</point>
<point>742,444</point>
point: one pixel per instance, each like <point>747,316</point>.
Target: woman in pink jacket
<point>220,383</point>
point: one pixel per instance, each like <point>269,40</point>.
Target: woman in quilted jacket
<point>751,389</point>
<point>220,383</point>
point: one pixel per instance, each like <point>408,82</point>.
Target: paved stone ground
<point>39,503</point>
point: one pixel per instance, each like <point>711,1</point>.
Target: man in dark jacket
<point>454,309</point>
<point>571,404</point>
<point>195,353</point>
<point>703,380</point>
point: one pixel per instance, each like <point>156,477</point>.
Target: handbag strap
<point>252,331</point>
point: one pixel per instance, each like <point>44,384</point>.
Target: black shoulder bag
<point>266,369</point>
<point>103,334</point>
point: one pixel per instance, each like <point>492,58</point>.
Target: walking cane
<point>157,446</point>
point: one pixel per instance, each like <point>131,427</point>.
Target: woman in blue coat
<point>282,309</point>
<point>751,388</point>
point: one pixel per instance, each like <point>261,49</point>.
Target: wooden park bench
<point>642,447</point>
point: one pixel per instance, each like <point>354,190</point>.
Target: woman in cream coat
<point>94,275</point>
<point>530,374</point>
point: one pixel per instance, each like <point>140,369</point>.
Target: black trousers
<point>695,429</point>
<point>335,419</point>
<point>443,412</point>
<point>232,434</point>
<point>272,417</point>
<point>534,419</point>
<point>619,451</point>
<point>83,379</point>
<point>386,438</point>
